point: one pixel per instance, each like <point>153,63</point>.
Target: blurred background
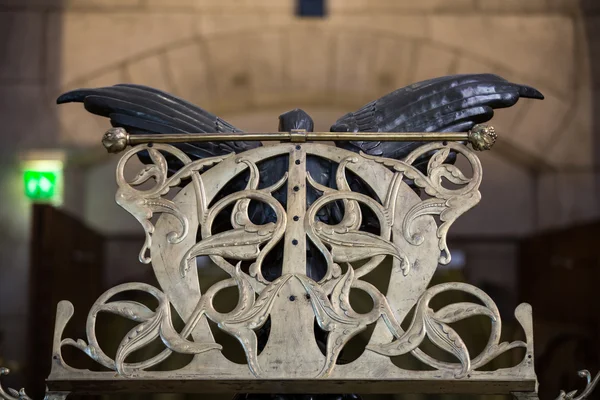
<point>533,238</point>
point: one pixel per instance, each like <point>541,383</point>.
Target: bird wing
<point>447,104</point>
<point>142,110</point>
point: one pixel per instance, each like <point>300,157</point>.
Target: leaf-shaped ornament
<point>138,337</point>
<point>357,245</point>
<point>450,172</point>
<point>128,309</point>
<point>237,244</point>
<point>160,162</point>
<point>149,171</point>
<point>446,338</point>
<point>437,159</point>
<point>459,311</point>
<point>179,344</point>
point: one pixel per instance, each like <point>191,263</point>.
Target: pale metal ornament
<point>291,361</point>
<point>591,384</point>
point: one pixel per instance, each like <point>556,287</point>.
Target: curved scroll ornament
<point>335,315</point>
<point>244,240</point>
<point>346,242</point>
<point>590,386</point>
<point>9,393</point>
<point>248,315</point>
<point>448,204</point>
<point>143,204</point>
<point>326,301</point>
<point>435,325</point>
<point>153,324</point>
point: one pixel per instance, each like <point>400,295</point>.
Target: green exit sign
<point>41,185</point>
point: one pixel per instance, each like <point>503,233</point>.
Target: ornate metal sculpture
<point>447,104</point>
<point>255,211</point>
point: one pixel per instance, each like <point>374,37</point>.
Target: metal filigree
<point>9,393</point>
<point>153,324</point>
<point>591,384</point>
<point>448,204</point>
<point>407,234</point>
<point>435,325</point>
<point>143,204</point>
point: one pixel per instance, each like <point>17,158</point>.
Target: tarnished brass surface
<point>482,137</point>
<point>291,360</point>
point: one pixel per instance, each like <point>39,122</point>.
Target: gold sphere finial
<point>482,137</point>
<point>115,140</point>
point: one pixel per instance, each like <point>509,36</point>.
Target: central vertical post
<point>294,249</point>
<point>291,349</point>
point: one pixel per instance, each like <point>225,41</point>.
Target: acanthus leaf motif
<point>459,311</point>
<point>357,245</point>
<point>450,172</point>
<point>329,298</point>
<point>128,309</point>
<point>444,337</point>
<point>448,203</point>
<point>160,162</point>
<point>179,344</point>
<point>340,295</point>
<point>241,325</point>
<point>143,204</point>
<point>345,241</point>
<point>334,316</point>
<point>145,174</point>
<point>138,337</point>
<point>238,244</point>
<point>437,159</point>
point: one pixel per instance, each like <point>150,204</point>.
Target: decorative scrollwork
<point>434,325</point>
<point>590,386</point>
<point>449,204</point>
<point>407,234</point>
<point>346,242</point>
<point>244,240</point>
<point>142,204</point>
<point>335,315</point>
<point>153,324</point>
<point>9,393</point>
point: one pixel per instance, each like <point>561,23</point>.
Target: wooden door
<point>66,264</point>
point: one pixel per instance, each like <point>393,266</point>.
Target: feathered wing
<point>447,104</point>
<point>141,109</point>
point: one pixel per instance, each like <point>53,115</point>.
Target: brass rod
<point>481,137</point>
<point>311,136</point>
<point>389,136</point>
<point>206,137</point>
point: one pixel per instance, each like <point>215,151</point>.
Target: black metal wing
<point>447,104</point>
<point>141,109</point>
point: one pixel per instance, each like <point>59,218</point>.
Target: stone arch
<point>311,64</point>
